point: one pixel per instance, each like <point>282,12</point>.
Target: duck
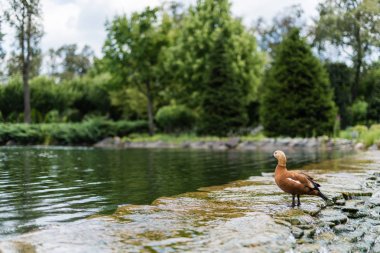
<point>295,183</point>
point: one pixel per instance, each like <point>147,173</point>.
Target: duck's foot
<point>299,202</point>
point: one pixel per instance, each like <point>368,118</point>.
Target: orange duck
<point>295,183</point>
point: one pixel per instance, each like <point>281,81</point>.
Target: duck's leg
<point>299,202</point>
<point>293,200</point>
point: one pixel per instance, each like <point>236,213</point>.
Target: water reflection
<point>43,186</point>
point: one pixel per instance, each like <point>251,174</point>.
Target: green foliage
<point>70,100</point>
<point>367,136</point>
<point>216,60</point>
<point>358,111</point>
<point>372,83</point>
<point>341,79</point>
<point>353,27</point>
<point>90,95</point>
<point>297,99</point>
<point>133,53</point>
<point>87,132</point>
<point>175,118</point>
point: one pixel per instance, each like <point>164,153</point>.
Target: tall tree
<point>297,99</point>
<point>75,63</point>
<point>341,76</point>
<point>351,26</point>
<point>216,60</point>
<point>25,17</point>
<point>133,53</point>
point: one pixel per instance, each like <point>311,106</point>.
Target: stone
<point>297,232</point>
<point>357,215</point>
<point>110,142</point>
<point>333,216</point>
<point>359,146</point>
<point>373,147</point>
<point>350,209</point>
<point>232,143</point>
<point>354,236</point>
<point>376,247</point>
<point>309,233</point>
<point>340,202</point>
<point>343,228</point>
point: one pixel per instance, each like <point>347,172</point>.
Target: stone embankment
<point>243,216</point>
<point>239,144</point>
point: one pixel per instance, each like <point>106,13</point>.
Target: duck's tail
<point>320,194</point>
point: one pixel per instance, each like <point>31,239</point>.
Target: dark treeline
<point>200,69</point>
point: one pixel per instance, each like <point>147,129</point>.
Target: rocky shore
<point>239,144</point>
<point>243,216</point>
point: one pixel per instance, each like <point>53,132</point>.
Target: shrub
<point>175,118</point>
<point>84,133</point>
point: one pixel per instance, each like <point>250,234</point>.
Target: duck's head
<point>280,156</point>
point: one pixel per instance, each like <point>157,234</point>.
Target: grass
<point>363,134</point>
<point>180,138</point>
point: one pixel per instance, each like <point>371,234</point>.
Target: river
<point>45,186</point>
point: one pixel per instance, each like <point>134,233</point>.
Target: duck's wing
<point>309,178</point>
<point>301,179</point>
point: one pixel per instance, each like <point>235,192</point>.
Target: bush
<point>175,118</point>
<point>84,133</point>
<point>359,111</point>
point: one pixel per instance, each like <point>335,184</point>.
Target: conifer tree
<point>217,61</point>
<point>297,99</point>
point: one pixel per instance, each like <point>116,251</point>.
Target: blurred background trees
<point>199,69</point>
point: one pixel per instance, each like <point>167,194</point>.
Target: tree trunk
<point>26,67</point>
<point>358,61</point>
<point>150,109</point>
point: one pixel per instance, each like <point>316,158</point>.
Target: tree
<point>66,62</point>
<point>216,61</point>
<point>14,64</point>
<point>25,17</point>
<point>270,35</point>
<point>351,26</point>
<point>341,79</point>
<point>372,83</point>
<point>133,53</point>
<point>2,51</point>
<point>297,99</point>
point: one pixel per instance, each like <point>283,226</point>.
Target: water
<point>45,186</point>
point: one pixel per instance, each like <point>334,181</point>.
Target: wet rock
<point>350,209</point>
<point>333,216</point>
<point>376,247</point>
<point>354,236</point>
<point>297,232</point>
<point>375,199</point>
<point>344,228</point>
<point>353,194</point>
<point>232,143</point>
<point>359,146</point>
<point>309,248</point>
<point>309,233</point>
<point>340,202</point>
<point>248,145</point>
<point>357,215</point>
<point>110,142</point>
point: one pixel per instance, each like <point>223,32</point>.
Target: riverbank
<point>238,143</point>
<point>243,216</point>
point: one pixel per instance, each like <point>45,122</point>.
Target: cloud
<point>82,21</point>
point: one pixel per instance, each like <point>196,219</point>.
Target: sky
<point>82,21</point>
